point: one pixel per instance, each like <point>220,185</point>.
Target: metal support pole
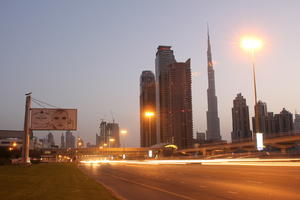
<point>257,126</point>
<point>150,141</point>
<point>123,143</point>
<point>26,138</point>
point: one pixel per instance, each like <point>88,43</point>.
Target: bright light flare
<point>251,43</point>
<point>123,132</point>
<point>149,114</point>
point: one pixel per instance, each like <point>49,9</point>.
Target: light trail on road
<point>248,161</point>
<point>137,180</point>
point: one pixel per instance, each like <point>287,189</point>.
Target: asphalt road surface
<point>195,181</point>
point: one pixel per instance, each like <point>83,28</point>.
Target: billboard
<point>53,119</point>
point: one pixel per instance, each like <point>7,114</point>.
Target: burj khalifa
<point>213,122</point>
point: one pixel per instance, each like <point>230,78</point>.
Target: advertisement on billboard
<point>53,119</point>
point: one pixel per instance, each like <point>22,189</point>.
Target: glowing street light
<point>14,144</point>
<point>251,44</point>
<point>149,114</point>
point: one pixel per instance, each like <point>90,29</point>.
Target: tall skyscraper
<point>213,122</point>
<point>173,99</point>
<point>297,123</point>
<point>164,56</point>
<point>147,104</point>
<point>70,140</point>
<point>180,119</point>
<point>62,141</point>
<point>240,120</point>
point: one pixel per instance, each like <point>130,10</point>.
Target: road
<point>195,181</point>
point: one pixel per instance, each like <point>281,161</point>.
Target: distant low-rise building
<point>200,137</point>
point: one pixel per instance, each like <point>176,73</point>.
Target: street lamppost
<point>149,115</point>
<point>251,45</point>
<point>105,145</point>
<point>123,133</point>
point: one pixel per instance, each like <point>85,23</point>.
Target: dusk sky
<point>89,55</point>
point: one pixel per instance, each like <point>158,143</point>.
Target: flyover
<point>79,153</point>
<point>282,142</point>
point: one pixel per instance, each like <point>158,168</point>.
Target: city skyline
<point>74,58</point>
